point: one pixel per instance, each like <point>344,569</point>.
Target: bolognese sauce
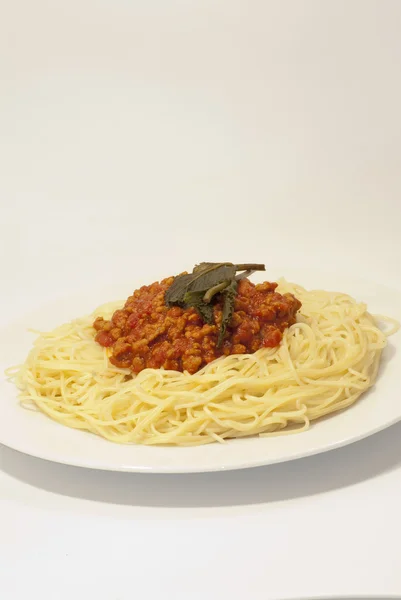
<point>146,333</point>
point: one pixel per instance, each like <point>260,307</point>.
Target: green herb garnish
<point>200,289</point>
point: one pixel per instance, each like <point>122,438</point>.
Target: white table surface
<point>141,137</point>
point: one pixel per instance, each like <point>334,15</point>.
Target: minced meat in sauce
<point>148,334</point>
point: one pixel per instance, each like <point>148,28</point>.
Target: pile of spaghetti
<point>324,362</point>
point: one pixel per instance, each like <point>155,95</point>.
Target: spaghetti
<point>325,361</point>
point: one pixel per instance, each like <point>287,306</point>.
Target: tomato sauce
<point>146,333</point>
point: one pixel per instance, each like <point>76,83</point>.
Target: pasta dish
<point>205,356</point>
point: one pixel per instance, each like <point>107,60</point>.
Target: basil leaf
<point>228,308</point>
<point>195,299</point>
<point>210,276</point>
<point>177,290</point>
<point>207,281</point>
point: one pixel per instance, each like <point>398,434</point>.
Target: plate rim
<point>166,470</point>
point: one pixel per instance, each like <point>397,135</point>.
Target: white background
<point>137,138</point>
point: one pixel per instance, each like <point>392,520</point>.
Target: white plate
<point>35,434</point>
